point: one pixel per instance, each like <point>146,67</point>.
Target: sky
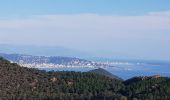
<point>137,29</point>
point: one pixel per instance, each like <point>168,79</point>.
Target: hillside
<point>103,72</point>
<point>31,84</point>
<point>20,82</point>
<point>148,87</point>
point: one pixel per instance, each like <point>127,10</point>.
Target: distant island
<point>29,83</point>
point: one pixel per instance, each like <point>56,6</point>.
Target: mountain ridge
<point>41,50</point>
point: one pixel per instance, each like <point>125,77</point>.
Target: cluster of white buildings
<point>46,65</point>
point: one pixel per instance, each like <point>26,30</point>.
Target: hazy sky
<point>130,28</point>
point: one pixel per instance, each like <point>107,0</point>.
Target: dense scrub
<point>31,84</point>
<point>20,82</point>
<point>150,88</point>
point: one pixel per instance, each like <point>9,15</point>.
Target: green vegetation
<point>148,88</point>
<point>31,84</point>
<point>103,72</point>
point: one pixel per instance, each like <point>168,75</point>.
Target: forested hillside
<point>31,84</point>
<point>104,72</point>
<point>20,82</point>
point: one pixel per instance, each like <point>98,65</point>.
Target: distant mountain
<point>41,50</point>
<point>102,71</point>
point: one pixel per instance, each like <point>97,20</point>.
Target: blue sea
<point>129,69</point>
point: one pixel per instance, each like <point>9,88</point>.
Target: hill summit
<point>104,72</point>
